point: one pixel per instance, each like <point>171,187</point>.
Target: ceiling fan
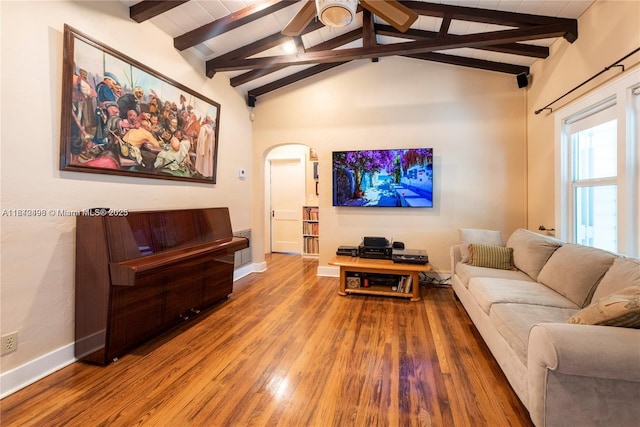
<point>340,13</point>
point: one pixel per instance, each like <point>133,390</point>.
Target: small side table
<point>408,276</point>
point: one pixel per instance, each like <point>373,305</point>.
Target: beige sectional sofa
<point>566,374</point>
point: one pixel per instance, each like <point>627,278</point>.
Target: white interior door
<point>287,198</point>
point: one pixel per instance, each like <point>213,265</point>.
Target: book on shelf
<point>311,245</point>
<point>311,214</point>
<point>404,284</point>
<point>311,228</point>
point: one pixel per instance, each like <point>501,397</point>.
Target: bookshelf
<point>310,231</point>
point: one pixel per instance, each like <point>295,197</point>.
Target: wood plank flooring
<point>286,350</point>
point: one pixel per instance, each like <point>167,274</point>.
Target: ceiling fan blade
<point>299,22</point>
<point>395,13</point>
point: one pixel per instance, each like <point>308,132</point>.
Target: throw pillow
<point>623,273</point>
<point>531,250</point>
<point>618,309</point>
<point>480,236</point>
<point>574,270</point>
<point>490,256</point>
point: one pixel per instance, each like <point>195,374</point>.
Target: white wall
<point>474,120</point>
<point>607,31</point>
<point>37,253</point>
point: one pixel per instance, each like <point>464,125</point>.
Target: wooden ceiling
<point>243,39</point>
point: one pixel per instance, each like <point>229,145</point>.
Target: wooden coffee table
<point>408,280</point>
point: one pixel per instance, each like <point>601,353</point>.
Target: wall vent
<point>243,257</point>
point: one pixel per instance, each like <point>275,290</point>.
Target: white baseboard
<point>34,370</point>
<point>328,271</point>
<point>20,377</point>
<point>255,267</point>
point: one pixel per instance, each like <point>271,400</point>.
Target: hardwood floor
<point>286,350</point>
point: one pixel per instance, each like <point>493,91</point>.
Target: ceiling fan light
<point>336,13</point>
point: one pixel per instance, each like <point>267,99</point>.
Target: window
<point>593,184</point>
<point>597,173</point>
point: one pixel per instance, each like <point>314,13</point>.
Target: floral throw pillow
<point>620,308</point>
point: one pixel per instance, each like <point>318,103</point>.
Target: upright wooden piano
<point>142,274</point>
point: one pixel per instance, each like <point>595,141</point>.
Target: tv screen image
<point>383,178</point>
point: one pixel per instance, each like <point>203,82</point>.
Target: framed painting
<point>120,117</point>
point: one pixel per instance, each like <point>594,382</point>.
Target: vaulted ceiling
<point>243,38</point>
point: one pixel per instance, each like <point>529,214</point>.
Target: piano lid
<point>152,232</point>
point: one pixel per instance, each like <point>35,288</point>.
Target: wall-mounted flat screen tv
<point>383,178</point>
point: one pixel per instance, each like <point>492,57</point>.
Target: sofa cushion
<point>620,308</point>
<point>478,235</point>
<point>574,271</point>
<point>466,272</point>
<point>531,250</point>
<point>490,256</point>
<point>513,322</point>
<point>489,291</point>
<point>623,273</point>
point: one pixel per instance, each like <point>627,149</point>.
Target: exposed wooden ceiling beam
<point>285,81</point>
<point>329,44</point>
<point>497,17</point>
<point>368,31</point>
<point>444,26</point>
<point>297,40</point>
<point>257,47</point>
<point>425,45</point>
<point>433,57</point>
<point>265,7</point>
<point>236,19</point>
<point>408,48</point>
<point>148,9</point>
<point>251,49</point>
<point>520,49</point>
<point>471,62</point>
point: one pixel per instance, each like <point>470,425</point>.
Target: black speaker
<point>378,242</point>
<point>398,245</point>
<point>523,80</point>
<point>251,101</point>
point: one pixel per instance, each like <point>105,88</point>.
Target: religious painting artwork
<point>119,117</point>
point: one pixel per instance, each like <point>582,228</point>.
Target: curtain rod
<point>615,64</point>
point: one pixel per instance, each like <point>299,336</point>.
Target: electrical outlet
<point>9,343</point>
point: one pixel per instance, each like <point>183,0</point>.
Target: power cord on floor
<point>426,280</point>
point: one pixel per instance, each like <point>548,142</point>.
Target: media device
<point>378,279</point>
<point>347,250</point>
<point>409,256</point>
<point>383,178</point>
<point>398,245</point>
<point>376,252</point>
<point>375,241</point>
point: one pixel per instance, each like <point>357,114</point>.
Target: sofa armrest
<point>583,372</point>
<point>456,257</point>
<point>602,351</point>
